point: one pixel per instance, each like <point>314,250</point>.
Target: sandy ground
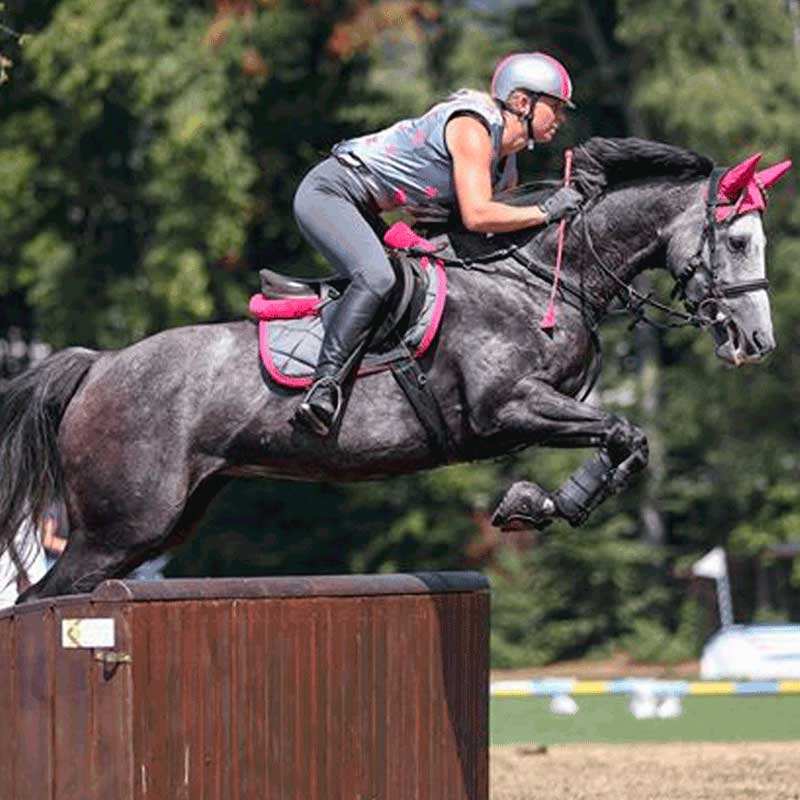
<point>766,771</point>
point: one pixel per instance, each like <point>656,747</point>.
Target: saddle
<point>404,303</point>
<point>293,313</point>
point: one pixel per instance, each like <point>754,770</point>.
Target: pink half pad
<point>745,188</point>
<point>263,308</point>
<point>401,237</point>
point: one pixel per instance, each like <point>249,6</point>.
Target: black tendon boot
<point>346,335</point>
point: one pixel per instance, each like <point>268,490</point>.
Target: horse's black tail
<point>31,408</point>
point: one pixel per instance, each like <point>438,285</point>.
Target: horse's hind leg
<point>103,545</point>
<point>80,568</point>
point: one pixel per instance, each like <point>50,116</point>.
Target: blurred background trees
<point>149,152</point>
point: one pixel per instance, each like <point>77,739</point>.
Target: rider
<point>453,158</point>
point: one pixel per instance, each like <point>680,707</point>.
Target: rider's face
<point>548,116</point>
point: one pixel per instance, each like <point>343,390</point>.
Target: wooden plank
<point>73,708</point>
<point>33,659</point>
<point>8,703</point>
<point>112,757</point>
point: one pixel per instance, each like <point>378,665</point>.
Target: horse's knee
<point>625,441</point>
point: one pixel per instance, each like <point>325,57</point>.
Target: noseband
<point>706,275</point>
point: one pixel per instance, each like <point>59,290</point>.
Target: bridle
<point>698,284</point>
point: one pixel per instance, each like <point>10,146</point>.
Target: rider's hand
<point>564,203</point>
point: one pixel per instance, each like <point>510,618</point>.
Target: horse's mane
<point>600,165</point>
<point>603,164</point>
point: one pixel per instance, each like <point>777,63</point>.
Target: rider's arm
<point>471,150</point>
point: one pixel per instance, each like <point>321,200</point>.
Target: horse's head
<point>717,255</point>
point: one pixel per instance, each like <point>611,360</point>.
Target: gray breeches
<point>336,214</point>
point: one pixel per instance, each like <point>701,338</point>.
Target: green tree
<point>149,154</point>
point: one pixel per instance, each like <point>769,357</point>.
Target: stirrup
<point>307,413</point>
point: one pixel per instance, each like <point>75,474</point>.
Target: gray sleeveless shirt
<point>408,165</point>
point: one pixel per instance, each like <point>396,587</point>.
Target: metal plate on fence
<point>87,632</point>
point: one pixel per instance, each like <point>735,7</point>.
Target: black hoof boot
<point>320,407</point>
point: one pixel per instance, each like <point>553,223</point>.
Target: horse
<point>138,441</point>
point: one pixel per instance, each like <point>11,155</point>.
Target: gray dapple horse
<point>139,441</point>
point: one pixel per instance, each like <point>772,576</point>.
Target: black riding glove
<point>564,203</point>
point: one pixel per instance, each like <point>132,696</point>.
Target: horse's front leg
<point>548,418</point>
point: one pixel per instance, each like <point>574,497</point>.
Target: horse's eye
<point>738,244</point>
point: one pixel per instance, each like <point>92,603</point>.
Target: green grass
<point>607,719</point>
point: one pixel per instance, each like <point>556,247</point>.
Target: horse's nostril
<point>759,341</point>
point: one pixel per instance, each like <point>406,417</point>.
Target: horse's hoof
<point>523,524</point>
<point>525,506</point>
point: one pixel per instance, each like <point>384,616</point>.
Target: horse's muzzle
<point>738,347</point>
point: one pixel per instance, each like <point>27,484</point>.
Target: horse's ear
<point>737,178</point>
<point>771,175</point>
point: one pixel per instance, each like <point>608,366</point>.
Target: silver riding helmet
<point>535,72</point>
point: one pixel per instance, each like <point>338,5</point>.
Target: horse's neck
<point>626,229</point>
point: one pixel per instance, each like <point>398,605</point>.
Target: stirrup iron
<point>307,414</point>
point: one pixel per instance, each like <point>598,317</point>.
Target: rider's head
<point>534,87</point>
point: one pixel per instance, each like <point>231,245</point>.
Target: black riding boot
<point>346,335</point>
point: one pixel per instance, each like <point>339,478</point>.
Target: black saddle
<point>403,306</point>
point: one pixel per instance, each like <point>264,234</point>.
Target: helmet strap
<point>531,141</point>
<point>534,98</point>
<point>525,119</point>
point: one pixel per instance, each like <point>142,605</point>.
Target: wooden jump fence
<point>320,688</point>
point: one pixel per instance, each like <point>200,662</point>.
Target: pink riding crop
<point>549,319</point>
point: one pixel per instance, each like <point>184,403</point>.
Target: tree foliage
<point>148,158</point>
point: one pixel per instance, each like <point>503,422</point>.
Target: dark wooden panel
<point>297,689</point>
<point>74,730</point>
<point>8,708</point>
<point>33,659</point>
<point>160,681</point>
<point>113,710</point>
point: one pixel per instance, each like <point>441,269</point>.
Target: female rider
<point>456,156</point>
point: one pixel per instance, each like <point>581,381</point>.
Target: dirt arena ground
<point>766,771</point>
